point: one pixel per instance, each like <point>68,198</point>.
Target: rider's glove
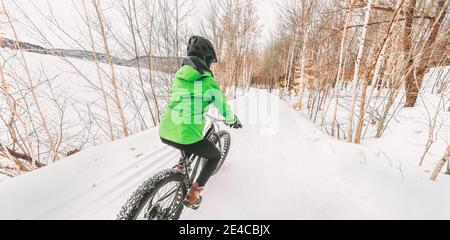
<point>237,124</point>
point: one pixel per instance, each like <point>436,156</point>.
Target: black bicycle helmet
<point>202,48</point>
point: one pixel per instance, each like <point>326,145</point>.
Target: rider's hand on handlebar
<point>236,124</point>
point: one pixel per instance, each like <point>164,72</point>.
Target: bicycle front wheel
<point>158,198</point>
<point>222,140</point>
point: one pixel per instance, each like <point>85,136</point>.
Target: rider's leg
<point>204,149</point>
<point>207,150</point>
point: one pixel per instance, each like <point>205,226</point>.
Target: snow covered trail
<point>285,175</point>
<point>280,166</point>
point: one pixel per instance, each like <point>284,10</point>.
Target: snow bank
<point>90,185</point>
<point>405,139</point>
<point>408,129</point>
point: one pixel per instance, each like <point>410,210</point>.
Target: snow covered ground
<point>281,166</point>
<point>3,177</point>
<point>408,129</point>
<point>407,134</point>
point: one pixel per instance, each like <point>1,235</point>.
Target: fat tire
<point>139,198</point>
<point>226,137</point>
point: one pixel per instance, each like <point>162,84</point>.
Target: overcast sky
<point>66,13</point>
<point>267,11</point>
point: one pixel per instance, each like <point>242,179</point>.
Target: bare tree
<point>356,80</point>
<point>414,79</point>
<point>32,90</point>
<point>119,108</point>
<point>341,66</point>
<point>102,87</point>
<point>236,43</point>
<point>371,68</point>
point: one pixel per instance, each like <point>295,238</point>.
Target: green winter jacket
<point>192,92</point>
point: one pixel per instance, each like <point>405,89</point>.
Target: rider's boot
<point>193,198</point>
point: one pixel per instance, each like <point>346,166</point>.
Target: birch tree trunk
<point>372,66</point>
<point>302,58</point>
<point>302,72</point>
<point>356,79</point>
<point>341,66</point>
<point>291,63</point>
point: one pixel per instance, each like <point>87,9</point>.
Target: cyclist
<point>193,90</point>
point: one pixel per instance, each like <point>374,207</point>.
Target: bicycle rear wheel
<point>158,198</point>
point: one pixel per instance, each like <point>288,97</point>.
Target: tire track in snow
<point>101,192</point>
<point>326,152</point>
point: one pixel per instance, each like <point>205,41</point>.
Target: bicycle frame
<point>184,178</point>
